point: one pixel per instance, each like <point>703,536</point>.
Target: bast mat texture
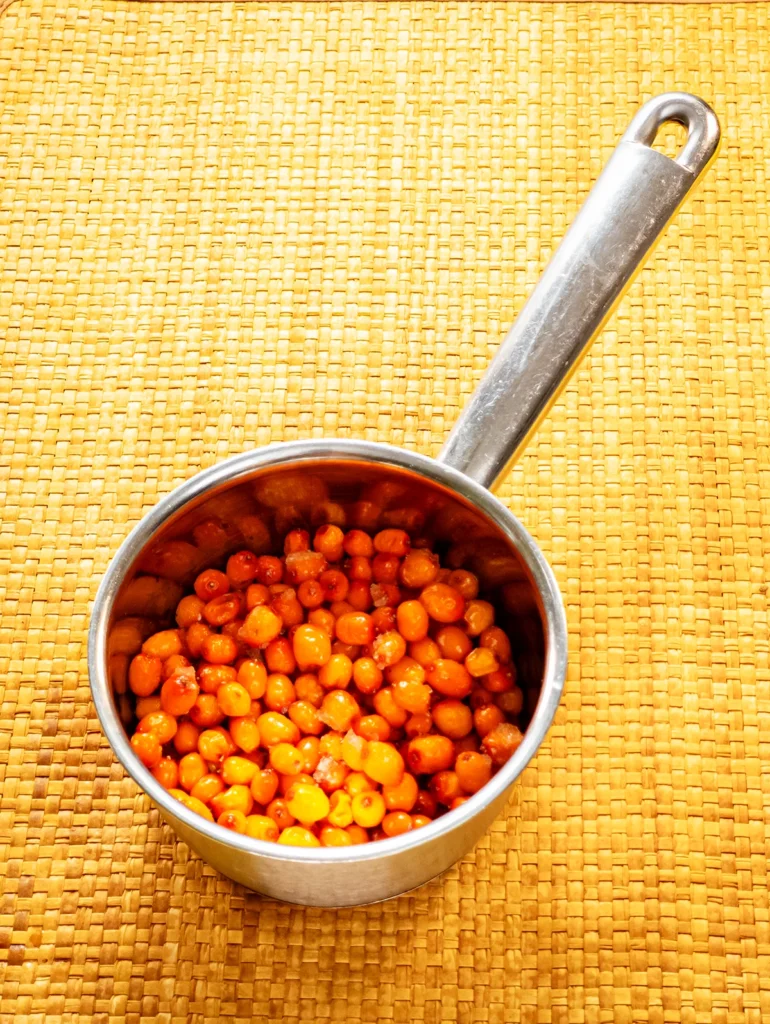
<point>223,225</point>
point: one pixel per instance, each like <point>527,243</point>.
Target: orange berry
<point>161,723</point>
<point>166,771</point>
<point>245,732</point>
<point>256,593</point>
<point>146,705</point>
<point>366,675</point>
<point>355,628</point>
<point>144,674</point>
<point>426,652</point>
<point>384,620</point>
<point>312,646</point>
<point>219,649</point>
<point>473,770</point>
<point>445,786</point>
<point>388,648</point>
<point>412,620</point>
<point>241,568</point>
<point>172,665</point>
<point>392,542</point>
<point>418,725</point>
<point>307,688</point>
<point>396,823</point>
<point>502,742</point>
<point>479,615</point>
<point>286,759</point>
<point>357,834</point>
<point>501,680</point>
<point>214,745</point>
<point>359,568</point>
<point>279,812</point>
<point>235,821</point>
<point>190,802</point>
<point>418,569</point>
<point>329,541</point>
<point>192,767</point>
<point>188,611</point>
<point>426,804</point>
<point>147,748</point>
<point>429,754</point>
<point>385,705</point>
<point>310,749</point>
<point>442,602</point>
<point>279,694</point>
<point>372,727</point>
<point>466,583</point>
<point>259,826</point>
<point>450,678</point>
<point>356,542</point>
<point>261,626</point>
<point>252,675</point>
<point>481,662</point>
<point>276,728</point>
<point>304,565</point>
<point>487,718</point>
<point>454,643</point>
<point>359,596</point>
<point>186,739</point>
<point>310,594</point>
<point>269,570</point>
<point>331,836</point>
<point>238,770</point>
<point>338,710</point>
<point>211,583</point>
<point>511,703</point>
<point>336,673</point>
<point>223,609</point>
<point>179,693</point>
<point>494,639</point>
<point>234,700</point>
<point>359,782</point>
<point>401,796</point>
<point>419,821</point>
<point>368,809</point>
<point>264,785</point>
<point>235,798</point>
<point>334,585</point>
<point>207,787</point>
<point>211,677</point>
<point>205,712</point>
<point>295,835</point>
<point>196,634</point>
<point>453,718</point>
<point>383,763</point>
<point>385,568</point>
<point>324,619</point>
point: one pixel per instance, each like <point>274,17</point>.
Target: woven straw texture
<point>223,225</point>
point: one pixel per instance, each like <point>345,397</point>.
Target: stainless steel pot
<point>260,492</point>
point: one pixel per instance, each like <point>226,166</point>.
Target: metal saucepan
<point>262,492</point>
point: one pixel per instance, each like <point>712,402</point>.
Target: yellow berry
<point>307,803</point>
<point>295,835</point>
<point>368,809</point>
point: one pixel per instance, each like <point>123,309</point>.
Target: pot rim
<point>229,471</point>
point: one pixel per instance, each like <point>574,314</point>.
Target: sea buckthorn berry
<point>494,639</point>
<point>279,695</point>
<point>276,728</point>
<point>206,712</point>
<point>383,763</point>
<point>355,628</point>
<point>307,688</point>
<point>278,810</point>
<point>234,798</point>
<point>396,823</point>
<point>329,540</point>
<point>146,705</point>
<point>445,786</point>
<point>295,835</point>
<point>261,626</point>
<point>192,804</point>
<point>453,718</point>
<point>235,821</point>
<point>385,595</point>
<point>214,745</point>
<point>418,569</point>
<point>279,656</point>
<point>286,759</point>
<point>195,636</point>
<point>211,677</point>
<point>192,767</point>
<point>359,596</point>
<point>166,771</point>
<point>429,754</point>
<point>219,649</point>
<point>465,582</point>
<point>388,648</point>
<point>412,696</point>
<point>210,535</point>
<point>189,610</point>
<point>308,803</point>
<point>392,542</point>
<point>256,593</point>
<point>480,697</point>
<point>501,680</point>
<point>358,543</point>
<point>384,620</point>
<point>312,646</point>
<point>353,750</point>
<point>372,727</point>
<point>403,795</point>
<point>412,620</point>
<point>426,652</point>
<point>479,615</point>
<point>487,718</point>
<point>359,568</point>
<point>259,826</point>
<point>338,608</point>
<point>442,602</point>
<point>241,568</point>
<point>186,739</point>
<point>144,674</point>
<point>336,673</point>
<point>385,705</point>
<point>454,643</point>
<point>340,810</point>
<point>420,821</point>
<point>331,836</point>
<point>147,748</point>
<point>296,540</point>
<point>330,773</point>
<point>264,786</point>
<point>322,618</point>
<point>245,732</point>
<point>304,565</point>
<point>161,723</point>
<point>252,675</point>
<point>426,804</point>
<point>172,665</point>
<point>450,678</point>
<point>305,716</point>
<point>502,742</point>
<point>310,749</point>
<point>473,770</point>
<point>480,662</point>
<point>331,744</point>
<point>211,583</point>
<point>287,781</point>
<point>238,770</point>
<point>223,609</point>
<point>418,725</point>
<point>310,594</point>
<point>368,809</point>
<point>234,699</point>
<point>288,607</point>
<point>207,787</point>
<point>179,693</point>
<point>269,570</point>
<point>358,835</point>
<point>338,710</point>
<point>385,568</point>
<point>366,675</point>
<point>359,782</point>
<point>511,703</point>
<point>351,651</point>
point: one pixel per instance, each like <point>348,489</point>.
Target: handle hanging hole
<point>670,139</point>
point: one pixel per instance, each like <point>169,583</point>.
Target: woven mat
<point>223,225</point>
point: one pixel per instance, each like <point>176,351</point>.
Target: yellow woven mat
<point>223,225</point>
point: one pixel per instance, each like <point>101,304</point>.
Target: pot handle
<point>631,203</point>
